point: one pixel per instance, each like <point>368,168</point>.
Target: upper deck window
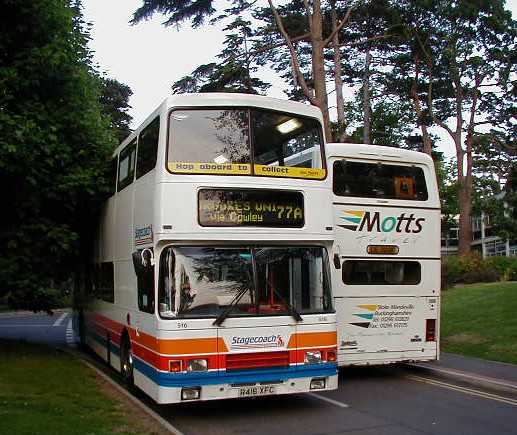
<point>147,148</point>
<point>379,180</point>
<point>243,141</point>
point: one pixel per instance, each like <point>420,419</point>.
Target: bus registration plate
<point>257,390</point>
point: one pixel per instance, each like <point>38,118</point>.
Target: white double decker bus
<point>212,275</point>
<point>386,255</point>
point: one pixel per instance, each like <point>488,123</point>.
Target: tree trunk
<point>464,193</point>
<point>465,225</point>
<point>318,67</point>
<point>367,108</point>
<point>428,146</point>
<point>338,80</point>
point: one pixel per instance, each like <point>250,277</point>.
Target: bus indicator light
<point>382,249</point>
<point>175,366</point>
<point>331,356</point>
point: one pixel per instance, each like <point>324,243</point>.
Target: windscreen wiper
<point>292,311</point>
<point>221,317</point>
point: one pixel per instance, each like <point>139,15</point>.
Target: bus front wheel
<point>126,363</point>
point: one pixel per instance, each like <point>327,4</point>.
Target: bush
<point>473,268</point>
<point>506,266</point>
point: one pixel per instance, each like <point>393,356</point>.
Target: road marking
<point>70,339</point>
<point>60,319</point>
<point>326,399</point>
<point>16,325</point>
<point>465,390</point>
<point>467,376</point>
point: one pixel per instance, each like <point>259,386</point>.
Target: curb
<point>471,378</point>
<point>159,419</point>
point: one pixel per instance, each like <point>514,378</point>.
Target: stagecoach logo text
<point>260,341</point>
<point>361,220</point>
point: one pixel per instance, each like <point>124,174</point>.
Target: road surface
<point>394,400</point>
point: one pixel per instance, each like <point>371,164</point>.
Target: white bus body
<point>386,255</point>
<point>238,301</point>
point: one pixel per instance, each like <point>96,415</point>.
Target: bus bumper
<point>235,390</point>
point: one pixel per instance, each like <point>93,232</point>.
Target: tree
<point>114,99</point>
<point>54,144</point>
<point>460,57</point>
<point>319,40</point>
<point>233,72</point>
<point>391,123</point>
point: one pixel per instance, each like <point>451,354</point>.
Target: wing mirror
<point>143,260</point>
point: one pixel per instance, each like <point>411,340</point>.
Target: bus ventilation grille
<point>258,360</point>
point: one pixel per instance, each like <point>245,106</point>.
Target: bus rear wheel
<point>126,364</point>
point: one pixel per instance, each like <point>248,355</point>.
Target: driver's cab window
<point>144,269</point>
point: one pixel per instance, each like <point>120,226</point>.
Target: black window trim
<point>156,118</point>
<point>272,191</point>
<point>242,243</point>
<point>390,163</point>
<point>127,149</point>
<point>382,260</point>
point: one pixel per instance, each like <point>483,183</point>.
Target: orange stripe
<point>192,346</point>
<point>313,339</point>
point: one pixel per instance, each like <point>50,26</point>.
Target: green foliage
<point>506,266</point>
<point>114,99</point>
<point>472,268</point>
<point>234,71</point>
<point>391,122</point>
<point>54,144</point>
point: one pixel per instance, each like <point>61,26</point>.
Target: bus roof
<point>225,99</point>
<point>362,151</point>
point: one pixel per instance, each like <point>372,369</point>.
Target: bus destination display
<point>262,208</point>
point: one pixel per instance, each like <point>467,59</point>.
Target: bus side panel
<point>106,235</point>
<point>143,218</point>
<point>375,328</point>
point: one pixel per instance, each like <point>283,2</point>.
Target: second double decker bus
<point>386,255</point>
<point>212,270</point>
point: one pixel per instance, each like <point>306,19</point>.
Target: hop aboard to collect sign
<point>220,207</point>
<point>245,169</point>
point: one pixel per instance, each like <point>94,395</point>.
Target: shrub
<point>506,266</point>
<point>473,268</point>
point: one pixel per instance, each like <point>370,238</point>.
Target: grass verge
<point>46,391</point>
<point>480,320</point>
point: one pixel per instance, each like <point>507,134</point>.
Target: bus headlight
<point>197,365</point>
<point>313,357</point>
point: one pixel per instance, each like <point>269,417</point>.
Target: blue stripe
<point>114,347</point>
<point>234,377</point>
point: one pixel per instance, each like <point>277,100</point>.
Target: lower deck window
<point>371,272</point>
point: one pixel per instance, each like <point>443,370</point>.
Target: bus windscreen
<point>240,141</point>
<point>205,281</point>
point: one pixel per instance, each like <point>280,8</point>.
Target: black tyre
<point>126,363</point>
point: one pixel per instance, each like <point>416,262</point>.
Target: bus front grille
<point>257,360</point>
